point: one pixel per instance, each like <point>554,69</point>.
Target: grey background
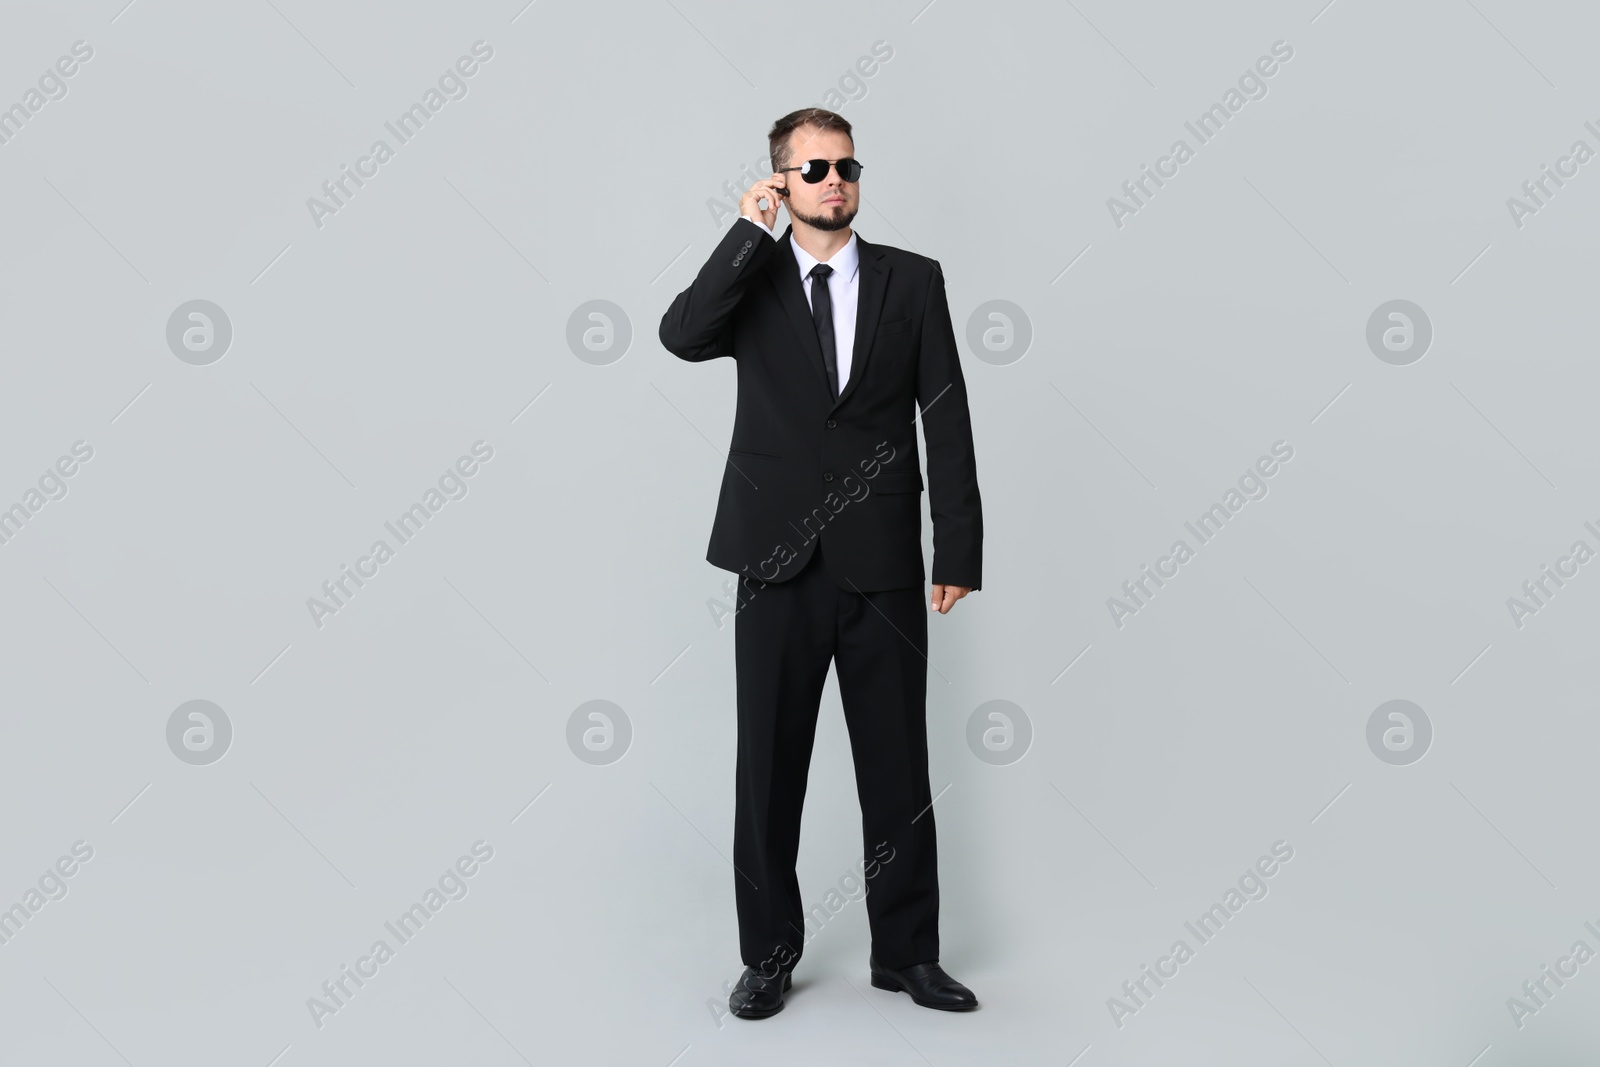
<point>432,710</point>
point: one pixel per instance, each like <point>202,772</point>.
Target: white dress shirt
<point>843,289</point>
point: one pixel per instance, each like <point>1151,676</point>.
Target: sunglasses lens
<point>814,170</point>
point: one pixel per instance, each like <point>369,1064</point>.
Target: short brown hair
<point>820,118</point>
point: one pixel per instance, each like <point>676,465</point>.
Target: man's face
<point>832,203</point>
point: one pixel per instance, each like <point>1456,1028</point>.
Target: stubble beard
<point>828,222</point>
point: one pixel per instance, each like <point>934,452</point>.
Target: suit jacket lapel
<point>785,278</point>
<point>872,281</point>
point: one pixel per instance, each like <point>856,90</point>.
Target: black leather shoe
<point>928,985</point>
<point>755,997</point>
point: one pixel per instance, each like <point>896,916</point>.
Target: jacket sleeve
<point>953,499</point>
<point>696,326</point>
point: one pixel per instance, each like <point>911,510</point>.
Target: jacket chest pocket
<point>892,349</point>
<point>894,331</point>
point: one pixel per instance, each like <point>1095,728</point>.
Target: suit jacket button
<point>832,424</point>
<point>827,476</point>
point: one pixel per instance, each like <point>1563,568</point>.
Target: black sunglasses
<point>813,171</point>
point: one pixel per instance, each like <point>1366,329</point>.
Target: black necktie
<point>822,315</point>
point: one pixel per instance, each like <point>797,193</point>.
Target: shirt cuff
<point>763,225</point>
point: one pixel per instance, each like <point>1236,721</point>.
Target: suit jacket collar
<point>874,280</point>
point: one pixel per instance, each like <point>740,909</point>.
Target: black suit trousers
<point>785,635</point>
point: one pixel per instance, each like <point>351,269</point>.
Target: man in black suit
<point>837,344</point>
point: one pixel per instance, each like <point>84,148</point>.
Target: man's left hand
<point>945,597</point>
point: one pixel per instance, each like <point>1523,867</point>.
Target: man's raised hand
<point>764,187</point>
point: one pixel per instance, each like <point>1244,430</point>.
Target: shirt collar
<point>845,262</point>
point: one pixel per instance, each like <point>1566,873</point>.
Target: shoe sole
<point>894,987</point>
<point>787,982</point>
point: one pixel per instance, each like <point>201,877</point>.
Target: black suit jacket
<point>802,465</point>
